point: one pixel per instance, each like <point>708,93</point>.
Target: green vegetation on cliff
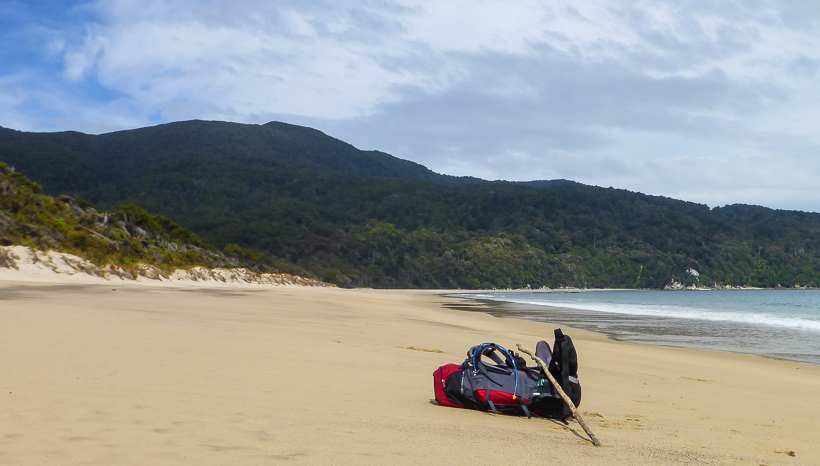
<point>126,236</point>
<point>356,218</point>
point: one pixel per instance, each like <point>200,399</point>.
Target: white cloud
<point>346,59</point>
<point>11,97</point>
<point>710,101</point>
<point>289,61</point>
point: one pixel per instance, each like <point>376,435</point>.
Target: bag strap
<point>560,339</point>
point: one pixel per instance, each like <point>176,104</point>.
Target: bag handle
<point>489,351</point>
<point>490,348</point>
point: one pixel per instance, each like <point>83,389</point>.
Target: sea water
<point>782,324</point>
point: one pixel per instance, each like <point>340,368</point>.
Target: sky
<point>711,102</point>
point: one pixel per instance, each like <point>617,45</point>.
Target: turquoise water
<point>783,324</point>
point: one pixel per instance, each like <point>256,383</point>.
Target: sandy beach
<point>130,373</point>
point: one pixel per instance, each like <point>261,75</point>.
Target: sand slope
<point>28,264</point>
<point>129,374</point>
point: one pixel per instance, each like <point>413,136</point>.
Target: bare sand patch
<point>135,374</point>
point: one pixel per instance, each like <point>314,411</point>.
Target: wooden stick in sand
<point>560,391</point>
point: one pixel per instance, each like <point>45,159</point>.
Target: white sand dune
<point>24,263</point>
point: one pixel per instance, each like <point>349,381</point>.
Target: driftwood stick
<point>572,408</point>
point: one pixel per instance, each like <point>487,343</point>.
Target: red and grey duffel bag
<point>495,379</point>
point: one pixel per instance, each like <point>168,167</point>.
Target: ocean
<point>780,324</point>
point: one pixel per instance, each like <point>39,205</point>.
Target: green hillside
<point>363,218</point>
<point>126,236</point>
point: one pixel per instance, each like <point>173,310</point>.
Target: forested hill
<point>364,218</point>
<point>121,238</point>
<point>192,151</point>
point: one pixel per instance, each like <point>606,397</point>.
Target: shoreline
<point>719,336</point>
<point>224,374</point>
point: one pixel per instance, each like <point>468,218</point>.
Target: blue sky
<point>711,102</point>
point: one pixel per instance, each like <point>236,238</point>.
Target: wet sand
<point>140,374</point>
<point>789,344</point>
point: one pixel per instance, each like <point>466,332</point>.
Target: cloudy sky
<point>712,102</point>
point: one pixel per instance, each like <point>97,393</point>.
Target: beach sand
<point>119,373</point>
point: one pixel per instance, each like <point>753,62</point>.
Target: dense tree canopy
<point>292,198</point>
